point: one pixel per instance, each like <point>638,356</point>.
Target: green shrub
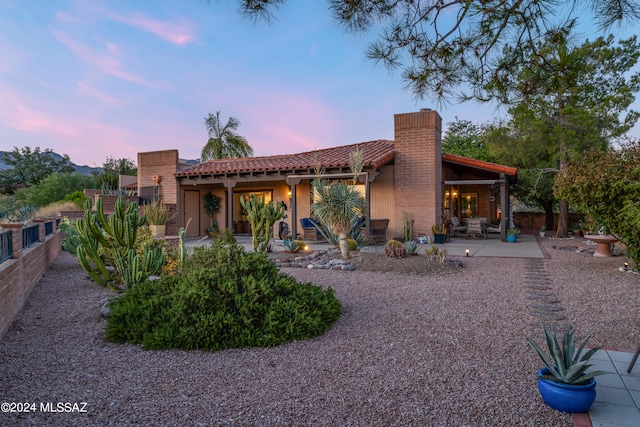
<point>395,249</point>
<point>222,297</point>
<point>77,197</point>
<point>54,188</point>
<point>71,236</point>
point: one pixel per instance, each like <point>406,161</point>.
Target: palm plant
<point>224,142</point>
<point>337,206</point>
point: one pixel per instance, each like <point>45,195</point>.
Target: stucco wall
<point>382,192</point>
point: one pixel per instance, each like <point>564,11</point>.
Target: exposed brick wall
<point>18,276</point>
<point>161,164</point>
<point>418,170</point>
<point>109,202</point>
<point>71,215</point>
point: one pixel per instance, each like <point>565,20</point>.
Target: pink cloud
<point>107,61</point>
<point>88,90</point>
<point>300,123</point>
<point>179,32</point>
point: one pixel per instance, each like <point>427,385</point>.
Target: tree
<point>531,151</point>
<point>54,188</point>
<point>466,138</point>
<point>566,100</point>
<point>111,170</point>
<point>224,142</point>
<point>29,167</point>
<point>337,206</point>
<point>450,44</point>
<point>606,186</point>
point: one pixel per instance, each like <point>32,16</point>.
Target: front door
<point>192,211</point>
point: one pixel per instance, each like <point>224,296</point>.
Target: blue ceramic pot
<point>567,397</point>
<point>511,238</point>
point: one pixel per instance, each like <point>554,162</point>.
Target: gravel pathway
<point>408,351</point>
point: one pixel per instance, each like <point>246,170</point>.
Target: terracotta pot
<point>157,230</point>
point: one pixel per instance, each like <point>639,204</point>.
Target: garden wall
<point>534,220</point>
<point>20,274</point>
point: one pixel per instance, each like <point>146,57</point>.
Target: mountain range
<point>85,170</point>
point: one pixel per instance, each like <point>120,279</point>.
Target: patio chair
<point>476,227</point>
<point>309,230</point>
<point>456,226</point>
<point>493,229</point>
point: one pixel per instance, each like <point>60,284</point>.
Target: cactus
<point>407,228</point>
<point>133,270</point>
<point>182,250</point>
<point>108,241</point>
<point>395,249</point>
<point>261,217</point>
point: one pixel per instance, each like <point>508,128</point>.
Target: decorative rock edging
<point>318,260</point>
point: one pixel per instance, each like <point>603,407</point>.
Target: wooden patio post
<point>229,185</point>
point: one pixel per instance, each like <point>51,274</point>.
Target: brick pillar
<point>16,237</point>
<point>418,170</point>
<point>41,230</point>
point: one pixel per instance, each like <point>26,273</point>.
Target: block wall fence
<point>20,274</point>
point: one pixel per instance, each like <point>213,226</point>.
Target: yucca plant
<point>337,205</point>
<point>566,364</point>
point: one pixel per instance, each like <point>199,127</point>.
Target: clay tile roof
<point>480,164</point>
<point>376,154</point>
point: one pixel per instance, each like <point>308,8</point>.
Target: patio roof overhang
<point>487,170</point>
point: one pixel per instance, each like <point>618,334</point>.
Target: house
<point>407,175</point>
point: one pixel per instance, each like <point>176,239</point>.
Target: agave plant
<point>566,364</point>
<point>291,245</point>
<point>412,247</point>
<point>21,213</point>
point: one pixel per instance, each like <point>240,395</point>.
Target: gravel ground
<point>415,350</point>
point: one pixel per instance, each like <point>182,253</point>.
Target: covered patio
<point>478,189</point>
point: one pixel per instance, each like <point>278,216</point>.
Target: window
<point>469,204</point>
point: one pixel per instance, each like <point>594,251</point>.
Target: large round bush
<point>222,297</point>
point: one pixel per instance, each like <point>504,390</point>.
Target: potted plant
<point>439,232</point>
<point>156,213</point>
<point>564,383</point>
<point>543,229</point>
<point>512,234</point>
<point>212,207</point>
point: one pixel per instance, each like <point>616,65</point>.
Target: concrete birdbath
<point>603,241</point>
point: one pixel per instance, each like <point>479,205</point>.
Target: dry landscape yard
<point>409,349</point>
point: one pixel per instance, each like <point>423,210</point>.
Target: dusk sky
<point>97,79</point>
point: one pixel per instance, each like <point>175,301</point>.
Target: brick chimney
<point>418,170</point>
